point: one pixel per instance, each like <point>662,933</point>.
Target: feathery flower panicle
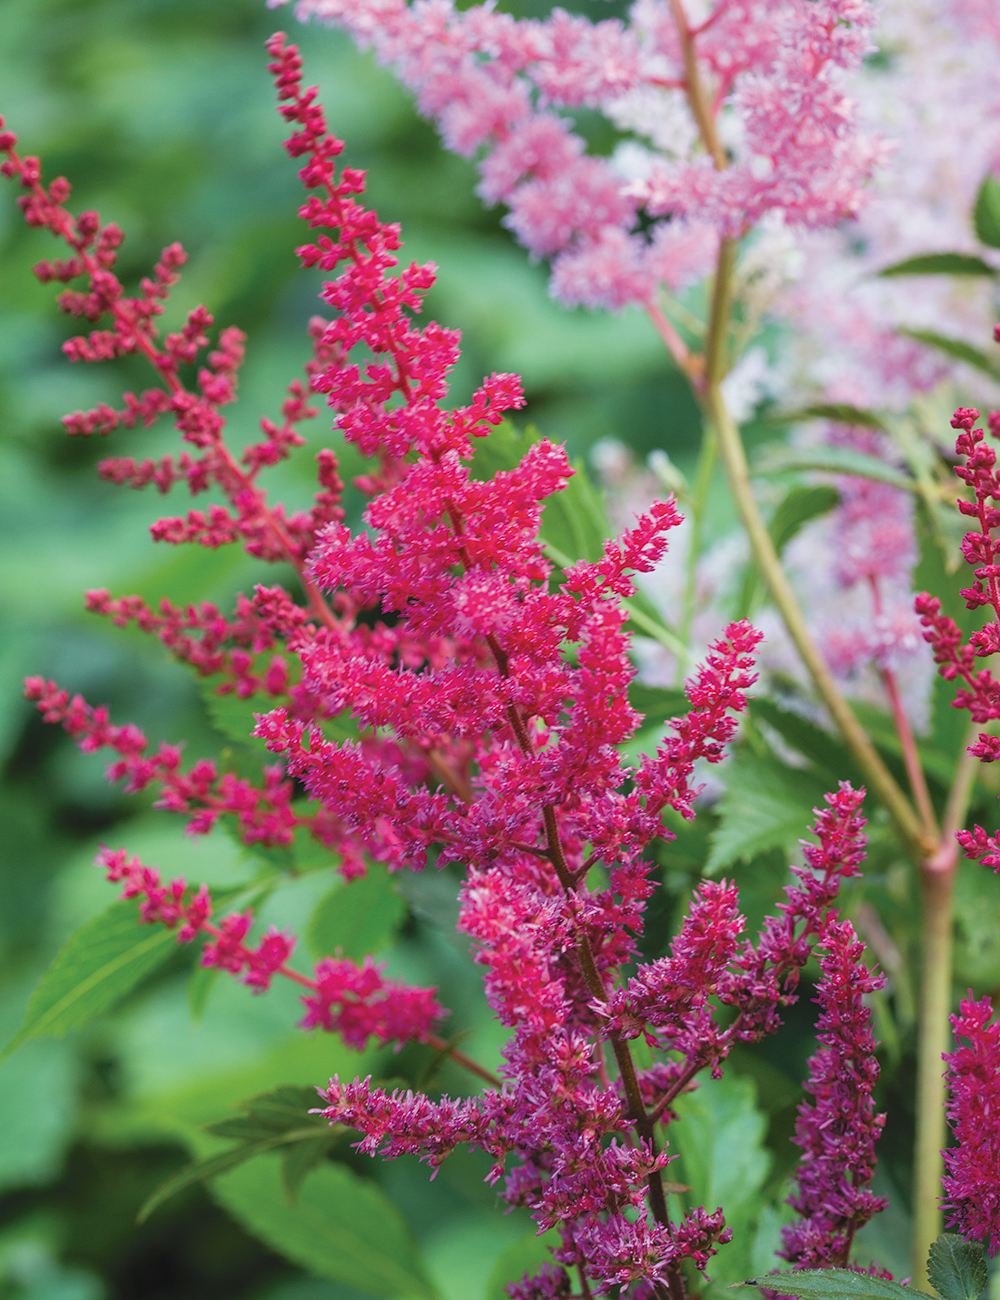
<point>499,87</point>
<point>956,658</point>
<point>357,1002</point>
<point>972,1168</point>
<point>488,700</point>
<point>837,1128</point>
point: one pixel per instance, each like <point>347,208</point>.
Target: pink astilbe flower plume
<point>971,1181</point>
<point>485,697</point>
<point>500,88</point>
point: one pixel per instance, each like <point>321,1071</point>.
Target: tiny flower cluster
<point>357,1002</point>
<point>972,1168</point>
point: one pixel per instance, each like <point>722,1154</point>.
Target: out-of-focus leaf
<point>977,926</point>
<point>357,917</point>
<point>840,412</point>
<point>832,460</point>
<point>957,1268</point>
<point>524,1256</point>
<point>765,805</point>
<point>720,1137</point>
<point>100,963</point>
<point>798,507</point>
<point>940,264</point>
<point>834,1284</point>
<point>200,983</point>
<point>794,510</point>
<point>986,214</point>
<point>342,1227</point>
<point>657,703</point>
<point>575,521</point>
<point>956,348</point>
<point>826,752</point>
<point>38,1101</point>
<point>277,1119</point>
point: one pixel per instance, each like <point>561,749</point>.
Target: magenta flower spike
<point>971,1181</point>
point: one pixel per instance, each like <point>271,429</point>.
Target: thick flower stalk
<point>972,1167</point>
<point>486,698</point>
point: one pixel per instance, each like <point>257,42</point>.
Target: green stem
<point>937,886</point>
<point>707,459</point>
<point>733,456</point>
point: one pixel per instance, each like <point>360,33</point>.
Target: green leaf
<point>342,1227</point>
<point>840,412</point>
<point>796,509</point>
<point>765,805</point>
<point>358,917</point>
<point>957,348</point>
<point>957,1268</point>
<point>99,964</point>
<point>657,703</point>
<point>575,521</point>
<point>832,460</point>
<point>834,1284</point>
<point>825,751</point>
<point>199,986</point>
<point>199,1172</point>
<point>986,214</point>
<point>525,1256</point>
<point>941,264</point>
<point>232,716</point>
<point>720,1138</point>
<point>299,1158</point>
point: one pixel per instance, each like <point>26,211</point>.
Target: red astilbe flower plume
<point>357,1002</point>
<point>487,700</point>
<point>971,1181</point>
<point>955,658</point>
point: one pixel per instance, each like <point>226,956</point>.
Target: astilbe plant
<point>489,698</point>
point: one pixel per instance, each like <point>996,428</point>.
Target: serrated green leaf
<point>957,348</point>
<point>299,1159</point>
<point>358,917</point>
<point>986,214</point>
<point>102,962</point>
<point>833,460</point>
<point>765,805</point>
<point>232,716</point>
<point>956,1268</point>
<point>575,520</point>
<point>834,1284</point>
<point>342,1227</point>
<point>199,1172</point>
<point>940,264</point>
